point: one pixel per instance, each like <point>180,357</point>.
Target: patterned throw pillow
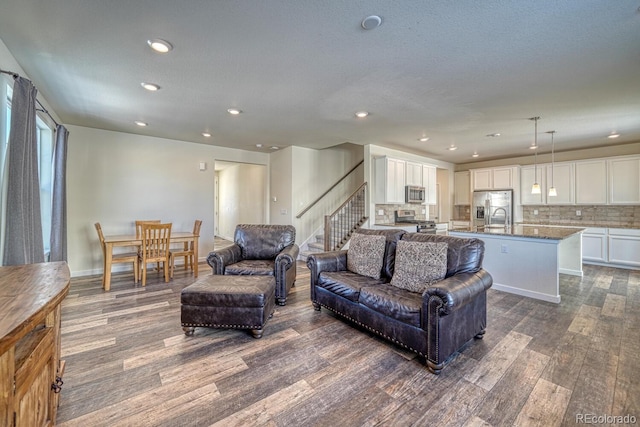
<point>419,265</point>
<point>366,254</point>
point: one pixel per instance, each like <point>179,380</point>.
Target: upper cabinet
<point>624,180</point>
<point>429,183</point>
<point>560,175</point>
<point>591,182</point>
<point>462,185</point>
<point>499,178</point>
<point>390,180</point>
<point>414,174</point>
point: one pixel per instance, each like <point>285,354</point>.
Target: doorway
<point>240,196</point>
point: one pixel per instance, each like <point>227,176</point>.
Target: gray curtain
<point>59,198</point>
<point>23,234</point>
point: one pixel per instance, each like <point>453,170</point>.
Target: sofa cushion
<point>263,241</point>
<point>419,264</point>
<point>393,302</point>
<point>256,267</point>
<point>392,237</point>
<point>464,255</point>
<point>365,255</point>
<point>346,283</point>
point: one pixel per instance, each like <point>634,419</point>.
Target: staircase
<point>340,225</point>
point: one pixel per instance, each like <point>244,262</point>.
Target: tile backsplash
<point>590,215</point>
<point>388,212</point>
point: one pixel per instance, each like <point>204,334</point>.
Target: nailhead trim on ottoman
<point>220,301</point>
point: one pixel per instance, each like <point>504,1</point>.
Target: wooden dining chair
<point>155,248</point>
<point>139,223</point>
<point>118,258</point>
<point>187,250</point>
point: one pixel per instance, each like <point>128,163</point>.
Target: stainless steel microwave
<point>414,194</point>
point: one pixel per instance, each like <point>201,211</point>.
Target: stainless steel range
<point>408,216</point>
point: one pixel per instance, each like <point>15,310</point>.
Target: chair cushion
<point>261,241</point>
<point>365,255</point>
<point>346,283</point>
<point>419,264</point>
<point>257,267</point>
<point>393,302</point>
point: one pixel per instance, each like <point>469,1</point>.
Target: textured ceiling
<point>454,71</point>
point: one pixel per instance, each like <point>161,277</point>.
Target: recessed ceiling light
<point>613,136</point>
<point>275,148</point>
<point>362,114</point>
<point>533,147</point>
<point>452,148</point>
<point>475,155</point>
<point>234,111</point>
<point>152,87</point>
<point>259,145</point>
<point>159,45</point>
<point>206,134</point>
<point>423,139</point>
<point>140,123</point>
<point>493,135</point>
<point>371,22</point>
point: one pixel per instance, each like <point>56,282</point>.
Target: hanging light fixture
<point>535,188</point>
<point>552,189</point>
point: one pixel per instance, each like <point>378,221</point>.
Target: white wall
<point>280,193</point>
<point>115,178</point>
<point>242,197</point>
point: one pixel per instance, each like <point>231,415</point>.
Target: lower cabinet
<point>624,246</point>
<point>613,246</point>
<point>594,244</point>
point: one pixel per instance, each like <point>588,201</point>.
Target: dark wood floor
<point>128,362</point>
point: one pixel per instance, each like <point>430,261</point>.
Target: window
<point>45,141</point>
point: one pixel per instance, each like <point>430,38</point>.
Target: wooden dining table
<point>123,240</point>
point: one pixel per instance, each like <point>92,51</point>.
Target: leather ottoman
<point>217,301</point>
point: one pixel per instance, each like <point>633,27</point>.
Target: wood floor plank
<point>585,321</point>
<point>546,405</point>
<point>491,369</point>
<point>614,306</point>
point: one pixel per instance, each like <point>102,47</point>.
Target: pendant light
<point>535,188</point>
<point>552,189</point>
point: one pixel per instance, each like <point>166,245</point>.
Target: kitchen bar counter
<point>528,231</point>
<point>527,260</point>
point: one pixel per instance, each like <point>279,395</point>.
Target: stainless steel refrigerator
<point>492,208</point>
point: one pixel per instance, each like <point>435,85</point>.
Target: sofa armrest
<point>326,261</point>
<point>220,258</point>
<point>456,291</point>
<point>287,257</point>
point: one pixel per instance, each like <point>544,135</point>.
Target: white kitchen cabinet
<point>429,183</point>
<point>499,178</point>
<point>458,225</point>
<point>526,182</point>
<point>624,180</point>
<point>624,246</point>
<point>389,180</point>
<point>462,188</point>
<point>414,174</point>
<point>594,244</point>
<point>564,179</point>
<point>591,182</point>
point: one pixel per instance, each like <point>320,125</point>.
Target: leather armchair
<point>260,249</point>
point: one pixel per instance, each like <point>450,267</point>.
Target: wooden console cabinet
<point>30,367</point>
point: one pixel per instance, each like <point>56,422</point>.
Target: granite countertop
<point>532,231</point>
<point>582,224</point>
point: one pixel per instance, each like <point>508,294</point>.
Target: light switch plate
<point>380,212</point>
<point>578,213</point>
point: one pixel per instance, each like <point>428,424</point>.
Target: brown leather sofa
<point>260,249</point>
<point>434,324</point>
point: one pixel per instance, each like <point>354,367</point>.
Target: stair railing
<point>350,216</point>
<point>312,204</point>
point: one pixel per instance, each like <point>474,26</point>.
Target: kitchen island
<point>527,260</point>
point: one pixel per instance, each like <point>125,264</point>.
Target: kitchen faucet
<point>506,217</point>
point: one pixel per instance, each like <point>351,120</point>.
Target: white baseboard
<point>525,293</point>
